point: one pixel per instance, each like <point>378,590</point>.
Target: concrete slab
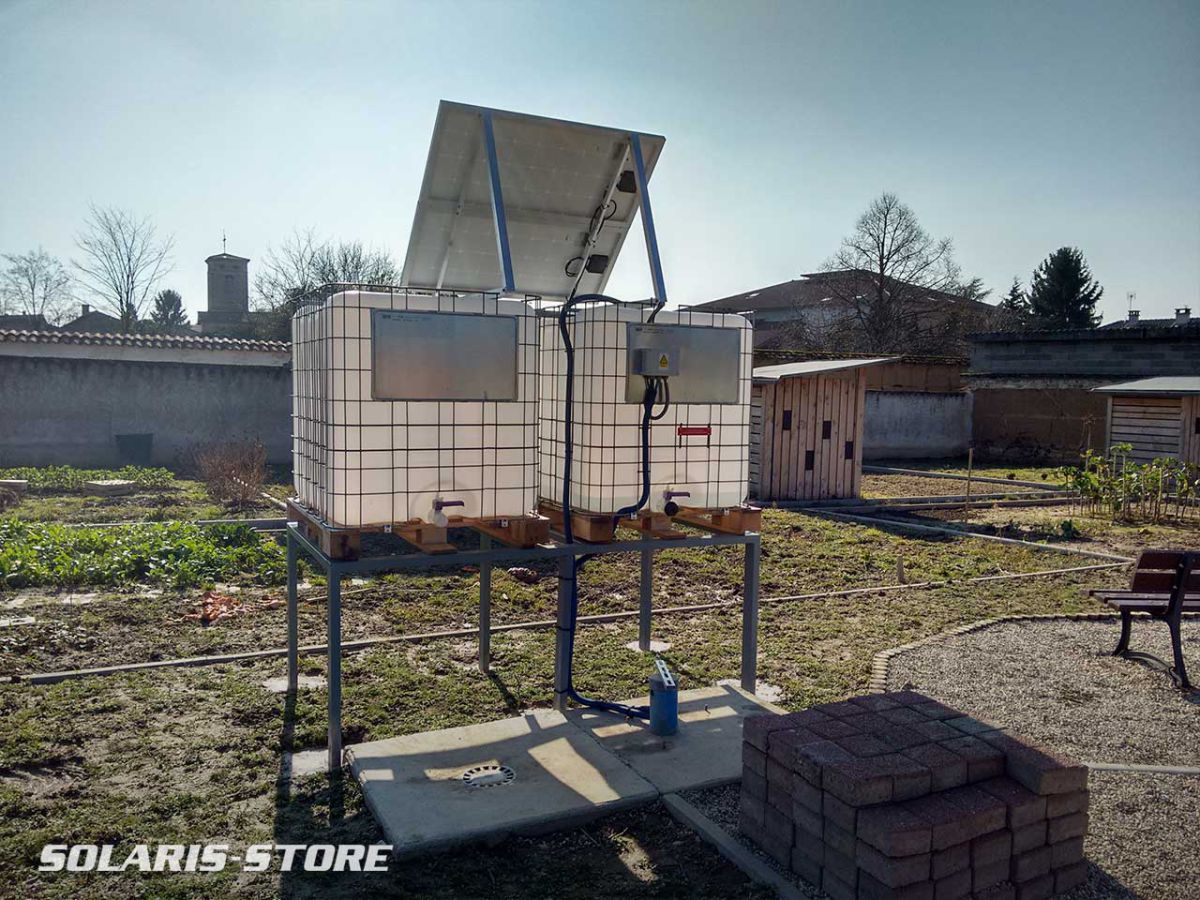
<point>414,784</point>
<point>705,752</point>
<point>305,762</point>
<point>303,682</point>
<point>655,646</point>
<point>109,487</point>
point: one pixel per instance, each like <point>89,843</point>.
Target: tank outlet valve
<point>670,507</point>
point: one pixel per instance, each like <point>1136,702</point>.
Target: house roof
<point>226,256</point>
<point>156,341</point>
<point>768,374</point>
<point>809,290</point>
<point>1162,385</point>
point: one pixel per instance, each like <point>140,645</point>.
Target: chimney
<point>1133,315</point>
<point>1183,315</point>
<point>86,309</point>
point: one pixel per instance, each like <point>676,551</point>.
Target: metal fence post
<point>750,615</point>
<point>646,599</point>
<point>334,673</point>
<point>293,617</point>
<point>562,636</point>
<point>485,607</point>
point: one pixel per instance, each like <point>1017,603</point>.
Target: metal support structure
<point>646,600</point>
<point>498,214</point>
<point>750,615</point>
<point>293,618</point>
<point>485,607</point>
<point>562,632</point>
<point>488,555</point>
<point>639,173</point>
<point>334,673</point>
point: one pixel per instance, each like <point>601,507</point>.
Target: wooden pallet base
<point>597,528</point>
<point>346,543</point>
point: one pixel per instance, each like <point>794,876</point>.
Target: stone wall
<point>1118,354</point>
<point>916,425</point>
<point>64,411</point>
<point>1043,424</point>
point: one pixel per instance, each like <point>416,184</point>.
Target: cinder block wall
<point>69,411</point>
<point>1048,425</point>
<point>1119,354</point>
<point>916,425</point>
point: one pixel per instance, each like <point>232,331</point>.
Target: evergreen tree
<point>1063,293</point>
<point>168,314</point>
<point>1015,300</point>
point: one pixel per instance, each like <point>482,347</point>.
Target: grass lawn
<point>183,500</point>
<point>878,486</point>
<point>192,755</point>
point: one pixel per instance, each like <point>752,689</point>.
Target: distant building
<point>92,321</point>
<point>228,312</point>
<point>25,322</point>
<point>1183,316</point>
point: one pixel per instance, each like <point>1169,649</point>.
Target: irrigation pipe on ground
<point>987,479</point>
<point>539,625</point>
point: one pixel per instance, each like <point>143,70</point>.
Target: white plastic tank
<point>414,404</point>
<point>699,449</point>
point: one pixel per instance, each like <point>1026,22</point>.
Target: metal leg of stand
<point>750,617</point>
<point>562,636</point>
<point>485,607</point>
<point>646,600</point>
<point>293,616</point>
<point>334,673</point>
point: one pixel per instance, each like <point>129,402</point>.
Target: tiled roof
<point>157,341</point>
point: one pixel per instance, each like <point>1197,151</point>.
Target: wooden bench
<point>1165,585</point>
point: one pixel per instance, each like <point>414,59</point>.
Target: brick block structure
<point>893,796</point>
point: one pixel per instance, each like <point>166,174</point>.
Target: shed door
<point>1150,424</point>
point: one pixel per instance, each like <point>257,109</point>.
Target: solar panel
<point>544,185</point>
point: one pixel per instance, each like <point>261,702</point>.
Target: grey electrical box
<point>443,356</point>
<point>704,362</point>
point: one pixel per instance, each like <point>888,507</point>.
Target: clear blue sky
<point>1014,128</point>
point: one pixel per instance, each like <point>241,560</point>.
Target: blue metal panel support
<point>750,615</point>
<point>485,607</point>
<point>334,672</point>
<point>293,617</point>
<point>639,172</point>
<point>645,599</point>
<point>498,215</point>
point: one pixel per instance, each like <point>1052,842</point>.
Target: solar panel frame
<point>554,174</point>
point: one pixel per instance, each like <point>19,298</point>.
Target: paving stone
<point>809,821</point>
<point>754,759</point>
<point>1038,889</point>
<point>1002,891</point>
<point>806,867</point>
<point>946,768</point>
<point>875,702</point>
<point>910,778</point>
<point>949,823</point>
<point>865,745</point>
<point>970,725</point>
<point>785,744</point>
<point>778,775</point>
<point>754,785</point>
<point>1066,853</point>
<point>869,723</point>
<point>950,860</point>
<point>840,864</point>
<point>860,782</point>
<point>806,793</point>
<point>833,728</point>
<point>1038,769</point>
<point>1027,837</point>
<point>1066,804</point>
<point>935,730</point>
<point>843,815</point>
<point>1031,864</point>
<point>871,888</point>
<point>904,716</point>
<point>983,760</point>
<point>903,737</point>
<point>984,812</point>
<point>1024,806</point>
<point>840,839</point>
<point>778,826</point>
<point>907,698</point>
<point>836,888</point>
<point>894,871</point>
<point>1070,877</point>
<point>935,710</point>
<point>750,828</point>
<point>841,709</point>
<point>954,886</point>
<point>812,759</point>
<point>992,848</point>
<point>756,729</point>
<point>1064,827</point>
<point>893,830</point>
<point>751,808</point>
<point>986,876</point>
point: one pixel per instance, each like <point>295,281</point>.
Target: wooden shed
<point>1160,417</point>
<point>806,429</point>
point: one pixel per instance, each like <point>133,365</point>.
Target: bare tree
<point>35,284</point>
<point>896,287</point>
<point>122,259</point>
<point>303,263</point>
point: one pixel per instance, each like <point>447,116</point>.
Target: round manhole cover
<point>488,776</point>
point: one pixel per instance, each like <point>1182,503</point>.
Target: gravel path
<point>1055,682</point>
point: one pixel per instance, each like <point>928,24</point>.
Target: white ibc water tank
<point>699,449</point>
<point>410,404</point>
